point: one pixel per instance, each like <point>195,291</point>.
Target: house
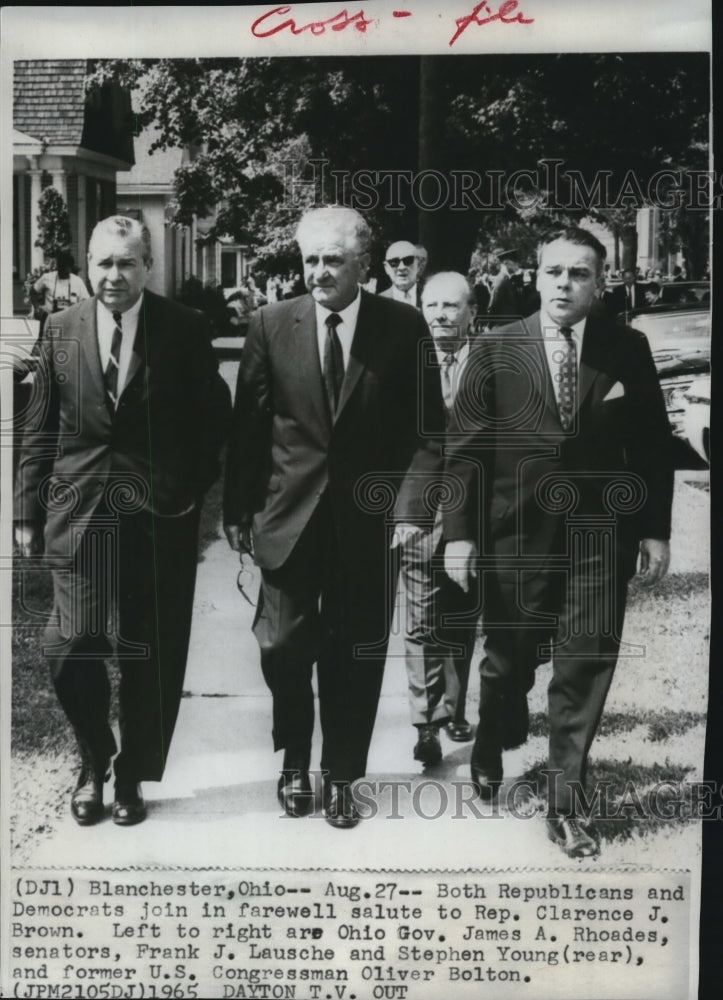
<point>74,141</point>
<point>179,252</point>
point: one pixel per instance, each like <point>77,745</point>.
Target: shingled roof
<point>49,100</point>
<point>50,104</point>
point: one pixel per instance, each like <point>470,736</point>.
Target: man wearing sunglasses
<point>402,266</point>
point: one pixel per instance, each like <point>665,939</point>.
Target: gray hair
<point>457,278</point>
<point>334,217</point>
<point>122,225</point>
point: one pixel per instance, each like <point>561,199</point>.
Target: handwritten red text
<point>507,13</point>
<point>267,24</point>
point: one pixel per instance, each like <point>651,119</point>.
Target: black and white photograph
<point>356,444</point>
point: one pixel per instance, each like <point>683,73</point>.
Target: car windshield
<point>684,331</point>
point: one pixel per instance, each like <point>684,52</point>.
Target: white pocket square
<point>617,390</point>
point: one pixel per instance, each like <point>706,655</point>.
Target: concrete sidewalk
<point>217,803</point>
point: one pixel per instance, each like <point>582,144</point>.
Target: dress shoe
<point>339,808</point>
<point>86,803</point>
<point>486,767</point>
<point>128,807</point>
<point>570,834</point>
<point>459,732</point>
<point>294,793</point>
<point>428,748</point>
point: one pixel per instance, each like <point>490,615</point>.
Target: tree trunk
<point>448,236</point>
<point>629,237</point>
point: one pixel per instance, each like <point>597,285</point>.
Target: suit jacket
<point>617,298</point>
<point>523,475</point>
<point>504,298</point>
<point>285,450</point>
<point>157,452</point>
<point>388,293</point>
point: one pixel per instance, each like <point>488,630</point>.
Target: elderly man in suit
<point>402,266</point>
<point>561,438</point>
<point>117,456</point>
<point>336,422</point>
<point>441,622</point>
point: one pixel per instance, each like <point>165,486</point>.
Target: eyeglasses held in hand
<point>243,581</point>
<point>396,261</point>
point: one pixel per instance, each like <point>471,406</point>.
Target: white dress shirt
<point>410,296</point>
<point>105,325</point>
<point>454,370</point>
<point>345,329</point>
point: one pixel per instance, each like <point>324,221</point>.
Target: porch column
<point>37,258</point>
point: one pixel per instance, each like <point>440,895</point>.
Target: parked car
<point>696,419</point>
<point>679,338</point>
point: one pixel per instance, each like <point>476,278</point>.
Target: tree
<point>269,136</point>
<point>53,223</point>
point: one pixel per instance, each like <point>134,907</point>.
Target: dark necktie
<point>333,369</point>
<point>112,368</point>
<point>566,378</point>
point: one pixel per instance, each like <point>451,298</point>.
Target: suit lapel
<point>592,361</point>
<point>146,320</point>
<point>359,355</point>
<point>533,328</point>
<point>305,356</point>
<point>89,343</point>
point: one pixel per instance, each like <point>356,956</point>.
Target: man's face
<point>568,281</point>
<point>116,269</point>
<point>447,309</point>
<point>402,265</point>
<point>629,278</point>
<point>333,266</point>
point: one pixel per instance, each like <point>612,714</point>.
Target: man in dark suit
<point>561,438</point>
<point>506,288</point>
<point>117,456</point>
<point>623,299</point>
<point>333,407</point>
<point>402,266</point>
<point>441,620</point>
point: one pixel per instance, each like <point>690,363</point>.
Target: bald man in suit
<point>116,460</point>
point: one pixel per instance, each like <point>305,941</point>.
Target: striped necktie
<point>113,367</point>
<point>566,378</point>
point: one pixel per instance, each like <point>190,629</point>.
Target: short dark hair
<point>578,235</point>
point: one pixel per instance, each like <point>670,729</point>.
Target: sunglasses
<point>396,261</point>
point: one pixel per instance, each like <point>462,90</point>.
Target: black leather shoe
<point>428,748</point>
<point>569,834</point>
<point>128,807</point>
<point>86,803</point>
<point>339,808</point>
<point>459,732</point>
<point>486,767</point>
<point>294,793</point>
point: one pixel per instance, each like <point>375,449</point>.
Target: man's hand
<point>26,539</point>
<point>403,533</point>
<point>459,562</point>
<point>239,538</point>
<point>654,560</point>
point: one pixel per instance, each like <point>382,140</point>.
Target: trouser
<point>441,628</point>
<point>131,580</point>
<point>585,607</point>
<point>333,610</point>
